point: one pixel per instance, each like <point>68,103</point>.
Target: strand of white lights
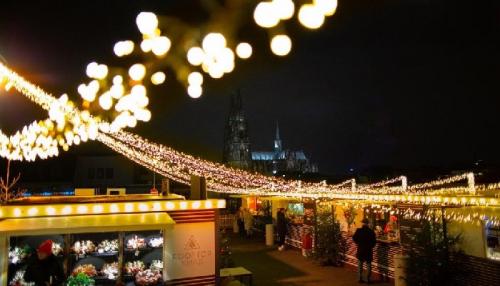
<point>41,139</point>
<point>439,182</point>
<point>381,184</point>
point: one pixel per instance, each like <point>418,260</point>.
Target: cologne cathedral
<point>238,153</point>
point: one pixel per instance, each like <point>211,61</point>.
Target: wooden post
<point>165,186</point>
<point>198,188</point>
<point>4,259</point>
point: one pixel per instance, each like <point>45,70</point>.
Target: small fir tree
<point>330,245</point>
<point>433,256</point>
<point>226,259</point>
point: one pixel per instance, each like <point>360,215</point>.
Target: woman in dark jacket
<point>281,228</point>
<point>365,239</point>
<point>44,269</point>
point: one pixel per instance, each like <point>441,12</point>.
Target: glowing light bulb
<point>147,23</point>
<point>213,42</point>
<point>147,45</point>
<point>195,56</point>
<point>194,91</point>
<point>123,48</point>
<point>195,78</point>
<point>281,45</point>
<point>137,72</point>
<point>284,8</point>
<point>327,7</point>
<point>311,17</point>
<point>265,15</point>
<point>91,69</point>
<point>158,78</point>
<point>106,101</point>
<point>161,45</point>
<point>244,50</point>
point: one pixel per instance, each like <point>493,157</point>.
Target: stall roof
<point>85,223</point>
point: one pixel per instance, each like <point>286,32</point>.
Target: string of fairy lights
<point>119,95</point>
<point>115,98</point>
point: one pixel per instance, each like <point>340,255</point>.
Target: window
<point>91,173</point>
<point>100,173</point>
<point>109,173</point>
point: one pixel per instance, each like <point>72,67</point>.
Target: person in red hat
<point>44,269</point>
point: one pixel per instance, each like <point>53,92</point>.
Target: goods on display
<point>18,279</point>
<point>87,269</point>
<point>156,242</point>
<point>134,267</point>
<point>56,248</point>
<point>83,247</point>
<point>136,243</point>
<point>156,265</point>
<point>147,277</point>
<point>110,270</point>
<point>107,246</point>
<point>17,254</point>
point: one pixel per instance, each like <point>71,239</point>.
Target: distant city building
<point>236,139</point>
<point>238,154</point>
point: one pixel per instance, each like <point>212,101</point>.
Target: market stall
<point>138,240</point>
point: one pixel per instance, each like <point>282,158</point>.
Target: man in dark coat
<point>365,239</point>
<point>44,269</point>
<point>281,228</point>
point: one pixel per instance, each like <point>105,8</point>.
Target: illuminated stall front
<point>141,240</point>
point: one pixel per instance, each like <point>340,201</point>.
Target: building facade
<point>238,154</point>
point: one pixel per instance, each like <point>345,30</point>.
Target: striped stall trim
<point>193,216</point>
<point>295,233</point>
<point>200,280</point>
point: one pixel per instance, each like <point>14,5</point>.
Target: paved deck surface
<point>271,267</point>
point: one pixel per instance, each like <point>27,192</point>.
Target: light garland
<point>41,139</point>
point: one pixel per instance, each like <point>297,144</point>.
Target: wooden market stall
<point>115,238</point>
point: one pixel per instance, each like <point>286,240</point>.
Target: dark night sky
<point>383,83</point>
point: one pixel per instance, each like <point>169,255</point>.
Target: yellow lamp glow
<point>32,211</point>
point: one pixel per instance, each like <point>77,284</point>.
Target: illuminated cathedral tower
<point>236,140</point>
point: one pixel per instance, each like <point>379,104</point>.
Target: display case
<point>141,242</point>
<point>492,241</point>
<point>134,258</point>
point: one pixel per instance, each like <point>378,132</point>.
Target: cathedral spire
<point>277,141</point>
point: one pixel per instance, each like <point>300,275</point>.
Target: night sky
<point>383,83</point>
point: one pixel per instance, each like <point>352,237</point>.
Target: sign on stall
<point>190,250</point>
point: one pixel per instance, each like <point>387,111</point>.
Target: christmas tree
<point>433,257</point>
<point>330,246</point>
<point>225,260</point>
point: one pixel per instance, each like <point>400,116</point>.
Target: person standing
<point>365,239</point>
<point>281,228</point>
<point>241,224</point>
<point>248,220</point>
<point>44,269</point>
